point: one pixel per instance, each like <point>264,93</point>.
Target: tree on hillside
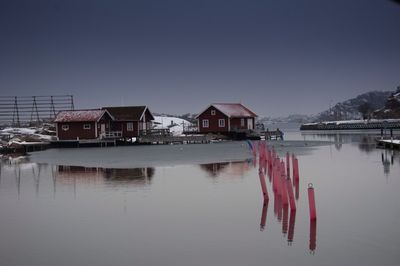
<point>365,109</point>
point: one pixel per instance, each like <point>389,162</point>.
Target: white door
<point>250,123</point>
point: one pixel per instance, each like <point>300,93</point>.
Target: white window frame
<point>213,112</point>
<point>129,126</point>
<point>87,126</point>
<point>65,127</point>
<point>221,122</point>
<point>206,123</point>
<point>242,122</point>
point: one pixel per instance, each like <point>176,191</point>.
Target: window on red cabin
<point>86,126</point>
<point>213,112</point>
<point>242,122</point>
<point>205,123</point>
<point>221,122</point>
<point>129,126</point>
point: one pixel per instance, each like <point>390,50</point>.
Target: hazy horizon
<point>276,57</point>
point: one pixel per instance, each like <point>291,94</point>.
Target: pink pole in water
<point>291,194</point>
<point>263,185</point>
<point>285,200</point>
<point>311,202</point>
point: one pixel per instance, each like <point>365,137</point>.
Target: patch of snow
<point>175,124</point>
<point>395,141</point>
<point>16,130</point>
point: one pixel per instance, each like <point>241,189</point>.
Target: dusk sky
<point>276,57</point>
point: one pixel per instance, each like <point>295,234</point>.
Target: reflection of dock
<point>388,143</point>
<point>228,168</point>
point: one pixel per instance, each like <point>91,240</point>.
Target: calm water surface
<point>202,207</point>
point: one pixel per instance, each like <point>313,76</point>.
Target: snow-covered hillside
<point>174,124</point>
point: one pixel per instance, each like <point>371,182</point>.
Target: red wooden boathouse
<point>226,118</point>
<point>83,124</point>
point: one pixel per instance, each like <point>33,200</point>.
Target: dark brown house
<point>83,124</point>
<point>226,118</point>
<point>132,121</point>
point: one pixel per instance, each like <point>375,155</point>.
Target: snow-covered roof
<point>232,110</point>
<point>80,115</point>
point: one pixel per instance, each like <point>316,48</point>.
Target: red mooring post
<point>311,202</point>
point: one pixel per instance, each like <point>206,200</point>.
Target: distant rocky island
<point>369,105</point>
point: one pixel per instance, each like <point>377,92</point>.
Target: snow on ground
<point>15,133</point>
<point>174,124</point>
<point>22,131</point>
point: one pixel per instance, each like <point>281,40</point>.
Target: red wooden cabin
<point>83,124</point>
<point>226,118</point>
<point>132,121</point>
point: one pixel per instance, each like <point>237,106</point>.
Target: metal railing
<point>111,135</point>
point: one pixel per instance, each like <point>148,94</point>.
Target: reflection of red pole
<point>311,202</point>
<point>264,215</point>
<point>293,167</point>
<point>297,188</point>
<point>287,164</point>
<point>313,236</point>
<point>284,191</point>
<point>291,195</point>
<point>285,215</point>
<point>292,221</point>
<point>263,185</point>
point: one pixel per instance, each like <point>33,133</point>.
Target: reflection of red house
<point>82,124</point>
<point>132,121</point>
<point>231,169</point>
<point>226,117</point>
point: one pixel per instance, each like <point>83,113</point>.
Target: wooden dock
<point>160,139</point>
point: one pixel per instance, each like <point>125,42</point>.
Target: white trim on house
<point>221,122</point>
<point>105,111</point>
<point>206,110</point>
<point>205,123</point>
<point>65,127</point>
